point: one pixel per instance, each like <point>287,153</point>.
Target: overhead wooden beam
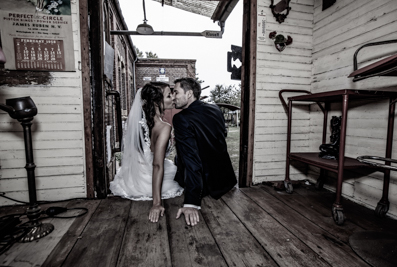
<point>223,10</point>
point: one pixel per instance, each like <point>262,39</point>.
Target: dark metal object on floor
<point>376,248</point>
<point>23,109</point>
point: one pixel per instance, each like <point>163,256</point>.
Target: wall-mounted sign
<point>232,59</point>
<point>212,34</point>
<point>37,35</point>
<point>162,70</point>
<point>162,79</point>
<point>261,30</point>
<point>109,61</point>
<point>147,78</point>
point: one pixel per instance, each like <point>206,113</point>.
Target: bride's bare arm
<point>160,136</point>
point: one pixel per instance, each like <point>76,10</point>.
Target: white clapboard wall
<point>57,133</point>
<point>338,32</point>
<point>320,59</point>
<point>289,69</point>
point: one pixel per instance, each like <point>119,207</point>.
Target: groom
<point>204,166</point>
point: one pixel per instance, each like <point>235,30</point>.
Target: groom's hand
<point>191,215</point>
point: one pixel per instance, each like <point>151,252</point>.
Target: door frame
<point>248,92</point>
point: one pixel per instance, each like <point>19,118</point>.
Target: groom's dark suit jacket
<point>204,166</point>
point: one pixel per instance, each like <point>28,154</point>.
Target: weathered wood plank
<point>44,171</point>
<point>20,184</point>
<point>355,213</point>
<point>100,242</point>
<point>281,244</point>
<point>236,243</point>
<point>144,243</point>
<point>42,136</point>
<point>190,246</point>
<point>42,162</point>
<point>46,195</point>
<point>62,249</point>
<point>44,153</point>
<point>35,253</point>
<point>334,252</point>
<point>317,214</point>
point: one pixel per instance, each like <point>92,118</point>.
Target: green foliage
<point>148,54</point>
<point>226,94</point>
<point>151,55</point>
<point>138,52</point>
<point>198,79</point>
<point>118,156</point>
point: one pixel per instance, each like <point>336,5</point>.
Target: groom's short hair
<point>190,84</point>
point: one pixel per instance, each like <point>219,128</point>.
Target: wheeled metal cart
<point>342,163</point>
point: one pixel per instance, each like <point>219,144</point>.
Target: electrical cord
<point>12,229</point>
<point>54,211</point>
<point>2,194</point>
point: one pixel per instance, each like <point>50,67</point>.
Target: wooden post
<point>97,70</point>
<point>86,85</point>
<point>248,89</point>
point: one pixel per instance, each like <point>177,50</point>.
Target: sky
<point>210,53</point>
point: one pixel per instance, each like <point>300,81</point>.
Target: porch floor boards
<point>254,226</point>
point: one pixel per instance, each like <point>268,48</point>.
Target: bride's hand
<point>155,212</point>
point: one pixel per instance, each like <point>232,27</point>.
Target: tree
<point>226,94</point>
<point>198,79</point>
<point>138,52</point>
<point>151,55</point>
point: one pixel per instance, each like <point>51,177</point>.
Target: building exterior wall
<point>57,133</point>
<point>148,70</point>
<point>289,69</point>
<point>59,129</point>
<point>338,32</point>
<point>123,77</point>
<point>320,59</point>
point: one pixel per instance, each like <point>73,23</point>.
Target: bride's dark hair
<point>152,97</point>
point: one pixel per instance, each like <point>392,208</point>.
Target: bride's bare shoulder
<point>161,128</point>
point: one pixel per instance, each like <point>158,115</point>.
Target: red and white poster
<point>37,35</point>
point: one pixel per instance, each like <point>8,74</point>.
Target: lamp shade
<point>144,29</point>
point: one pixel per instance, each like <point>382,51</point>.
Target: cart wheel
<point>319,183</point>
<point>288,187</point>
<point>381,210</point>
<point>338,216</point>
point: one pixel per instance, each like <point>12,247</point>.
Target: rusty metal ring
<point>363,159</point>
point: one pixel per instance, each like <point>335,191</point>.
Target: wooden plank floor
<point>255,226</point>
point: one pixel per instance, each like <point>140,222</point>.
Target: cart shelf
<point>312,158</point>
<point>338,166</point>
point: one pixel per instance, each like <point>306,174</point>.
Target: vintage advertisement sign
<point>261,27</point>
<point>37,35</point>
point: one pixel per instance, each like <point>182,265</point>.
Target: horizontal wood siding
<point>338,32</point>
<point>57,133</point>
<point>289,69</point>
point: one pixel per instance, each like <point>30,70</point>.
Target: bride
<point>145,173</point>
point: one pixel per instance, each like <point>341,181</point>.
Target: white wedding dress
<point>134,179</point>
